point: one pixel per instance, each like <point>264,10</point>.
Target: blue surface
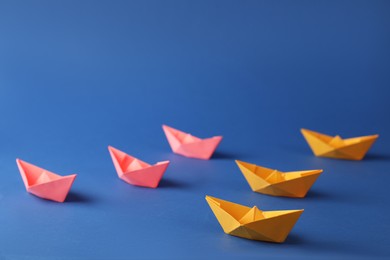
<point>76,76</point>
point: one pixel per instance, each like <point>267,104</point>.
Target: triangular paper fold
<point>335,147</point>
<point>45,184</point>
<point>190,146</point>
<point>252,223</point>
<point>135,171</point>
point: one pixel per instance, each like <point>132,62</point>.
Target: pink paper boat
<point>137,172</point>
<point>43,183</point>
<point>191,146</point>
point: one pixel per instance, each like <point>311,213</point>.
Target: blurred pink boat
<point>190,146</point>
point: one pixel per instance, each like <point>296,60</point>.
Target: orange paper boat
<point>336,147</point>
<point>272,182</point>
<point>252,223</point>
<point>43,183</point>
<point>135,171</point>
<point>191,146</point>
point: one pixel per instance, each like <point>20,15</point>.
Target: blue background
<point>77,76</point>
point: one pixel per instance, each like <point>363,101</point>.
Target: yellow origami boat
<point>272,182</point>
<point>335,147</point>
<point>252,223</point>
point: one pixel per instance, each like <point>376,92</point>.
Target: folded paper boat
<point>135,171</point>
<point>252,223</point>
<point>45,184</point>
<point>190,146</point>
<point>335,147</point>
<point>272,182</point>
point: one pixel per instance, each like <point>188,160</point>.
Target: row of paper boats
<point>51,186</point>
<point>235,219</point>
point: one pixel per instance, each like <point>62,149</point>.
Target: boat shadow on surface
<point>315,194</point>
<point>218,155</point>
<point>376,157</point>
<point>169,183</point>
<point>326,248</point>
<point>77,197</point>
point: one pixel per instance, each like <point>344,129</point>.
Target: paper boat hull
<point>293,189</point>
<point>56,191</point>
<point>273,230</point>
<point>200,150</point>
<point>149,177</point>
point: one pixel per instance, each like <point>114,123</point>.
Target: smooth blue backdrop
<point>76,76</point>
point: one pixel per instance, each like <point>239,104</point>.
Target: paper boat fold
<point>135,171</point>
<point>335,147</point>
<point>43,183</point>
<point>190,146</point>
<point>272,182</point>
<point>253,223</point>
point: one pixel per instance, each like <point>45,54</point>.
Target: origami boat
<point>45,184</point>
<point>190,146</point>
<point>135,171</point>
<point>252,223</point>
<point>272,182</point>
<point>336,147</point>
